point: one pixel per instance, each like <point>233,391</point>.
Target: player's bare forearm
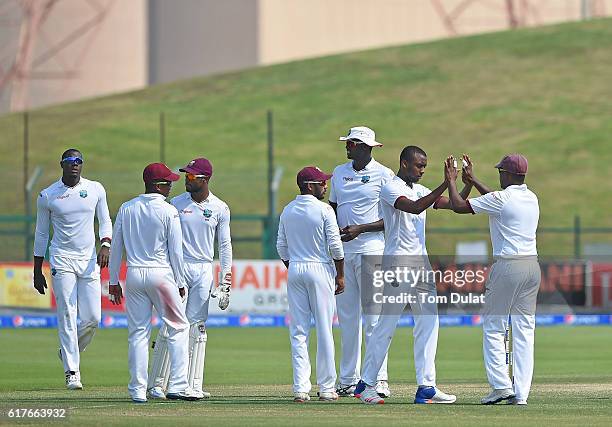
<point>482,188</point>
<point>467,188</point>
<point>459,204</point>
<point>40,283</point>
<point>334,207</point>
<point>339,263</point>
<point>38,262</point>
<point>445,203</point>
<point>418,206</point>
<point>350,232</point>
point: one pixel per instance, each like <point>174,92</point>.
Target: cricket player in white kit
<point>355,189</point>
<point>70,205</point>
<point>403,204</point>
<point>308,241</point>
<point>150,231</point>
<point>203,216</point>
<point>514,279</point>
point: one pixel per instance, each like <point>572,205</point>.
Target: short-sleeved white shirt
<point>357,193</point>
<point>513,219</point>
<point>404,232</point>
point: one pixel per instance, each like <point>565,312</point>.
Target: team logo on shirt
<point>365,179</point>
<point>53,272</point>
<point>83,193</point>
<point>419,194</point>
<point>207,213</point>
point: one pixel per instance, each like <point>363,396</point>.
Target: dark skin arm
<point>418,206</point>
<point>116,291</point>
<point>444,202</point>
<point>467,176</point>
<point>104,254</point>
<point>334,207</point>
<point>40,283</point>
<point>339,276</point>
<point>459,205</point>
<point>349,232</point>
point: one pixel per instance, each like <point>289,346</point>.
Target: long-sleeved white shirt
<point>71,212</point>
<point>200,222</point>
<point>150,231</point>
<point>308,232</point>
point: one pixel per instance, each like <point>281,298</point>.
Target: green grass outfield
<point>544,91</point>
<point>249,375</point>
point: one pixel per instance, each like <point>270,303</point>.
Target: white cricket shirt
<point>71,211</point>
<point>513,219</point>
<point>200,222</point>
<point>150,230</point>
<point>404,232</point>
<point>308,232</point>
<point>356,193</point>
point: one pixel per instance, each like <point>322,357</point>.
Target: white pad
<point>197,352</point>
<point>160,367</point>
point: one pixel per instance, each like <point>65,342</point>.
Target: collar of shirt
<point>305,197</point>
<point>366,167</point>
<point>517,187</point>
<point>206,200</point>
<point>60,182</point>
<point>153,196</point>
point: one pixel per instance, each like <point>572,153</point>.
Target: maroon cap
<point>199,166</point>
<point>514,163</point>
<point>156,172</point>
<point>311,174</point>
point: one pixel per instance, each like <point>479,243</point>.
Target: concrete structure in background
<point>54,51</point>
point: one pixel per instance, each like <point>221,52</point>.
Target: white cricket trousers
<point>349,309</point>
<point>145,288</point>
<point>310,291</point>
<point>511,288</point>
<point>76,286</point>
<point>425,332</point>
<point>199,278</point>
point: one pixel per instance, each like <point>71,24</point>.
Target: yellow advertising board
<point>16,289</point>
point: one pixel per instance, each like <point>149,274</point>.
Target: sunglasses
<point>315,182</point>
<point>192,177</point>
<point>73,160</point>
<point>163,183</point>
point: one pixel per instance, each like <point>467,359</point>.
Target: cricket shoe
<point>73,381</point>
<point>328,396</point>
<point>139,399</point>
<point>359,388</point>
<point>430,394</point>
<point>156,393</point>
<point>382,388</point>
<point>202,394</point>
<point>497,396</point>
<point>369,396</point>
<point>515,401</point>
<point>301,397</point>
<point>345,390</point>
<point>187,394</point>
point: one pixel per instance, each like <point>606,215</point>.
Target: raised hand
<point>450,170</point>
<point>467,173</point>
